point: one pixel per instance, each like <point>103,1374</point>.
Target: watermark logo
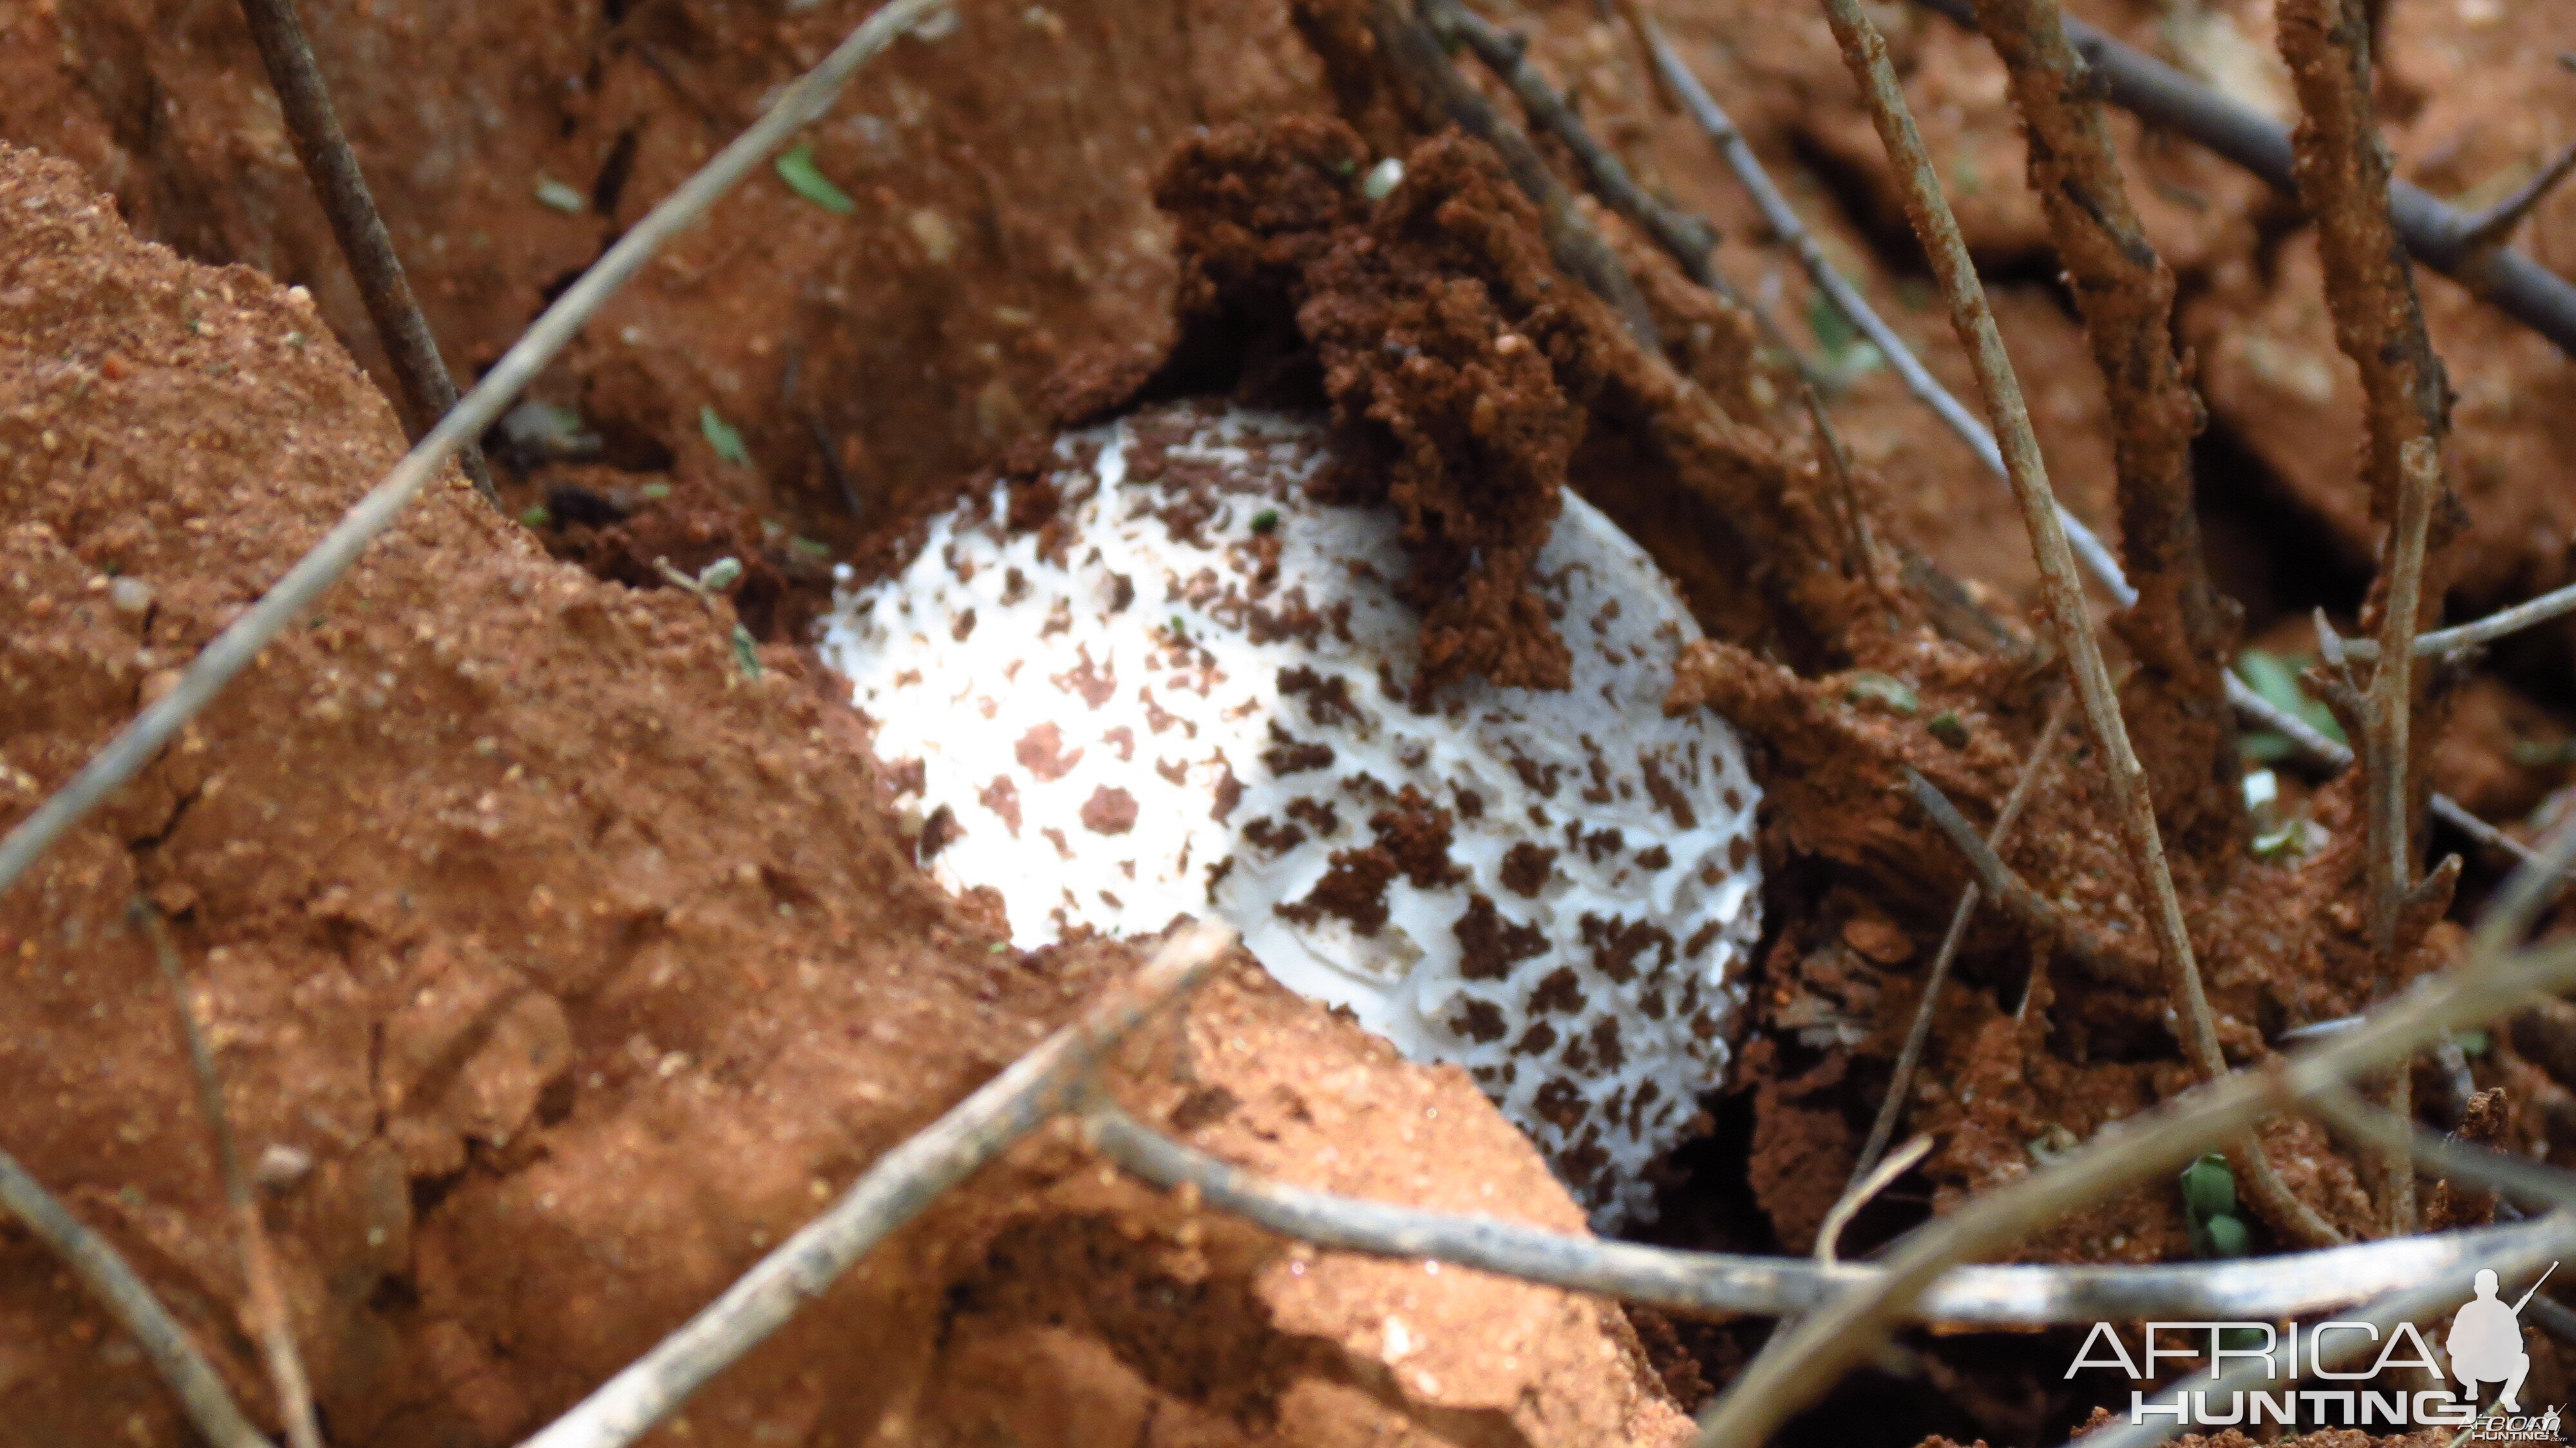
<point>2484,1348</point>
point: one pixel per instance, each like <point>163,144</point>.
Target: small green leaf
<point>1879,689</point>
<point>555,194</point>
<point>2473,1043</point>
<point>1266,521</point>
<point>536,517</point>
<point>657,491</point>
<point>2226,1237</point>
<point>1947,727</point>
<point>746,654</point>
<point>2208,1188</point>
<point>796,167</point>
<point>720,575</point>
<point>803,547</point>
<point>2277,680</point>
<point>721,436</point>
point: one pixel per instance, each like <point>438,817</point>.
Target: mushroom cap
<point>1193,691</point>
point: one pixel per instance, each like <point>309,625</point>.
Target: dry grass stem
<point>265,1297</point>
<point>2495,225</point>
<point>1774,1286</point>
<point>1900,1083</point>
<point>1865,51</point>
<point>809,98</point>
<point>428,389</point>
<point>1862,1192</point>
<point>191,1379</point>
<point>1034,1089</point>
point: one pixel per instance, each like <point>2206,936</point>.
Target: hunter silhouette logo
<point>2486,1342</point>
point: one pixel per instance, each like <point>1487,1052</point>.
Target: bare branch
<point>1688,238</point>
<point>2556,603</point>
<point>1842,1333</point>
<point>809,98</point>
<point>1029,1093</point>
<point>2034,912</point>
<point>165,1344</point>
<point>2162,96</point>
<point>2509,1262</point>
<point>1416,55</point>
<point>1859,1194</point>
<point>1900,1084</point>
<point>1720,1282</point>
<point>2182,631</point>
<point>1865,52</point>
<point>428,389</point>
<point>2495,225</point>
<point>265,1297</point>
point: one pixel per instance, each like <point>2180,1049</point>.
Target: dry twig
<point>809,98</point>
<point>265,1297</point>
<point>1891,1107</point>
<point>2557,603</point>
<point>1027,1095</point>
<point>1688,238</point>
<point>1416,55</point>
<point>1862,1191</point>
<point>1717,1282</point>
<point>1865,51</point>
<point>2495,982</point>
<point>2494,226</point>
<point>2326,753</point>
<point>2410,1304</point>
<point>2166,98</point>
<point>2181,631</point>
<point>165,1344</point>
<point>2032,911</point>
<point>428,390</point>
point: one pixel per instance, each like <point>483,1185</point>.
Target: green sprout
<point>795,166</point>
<point>721,436</point>
<point>1889,693</point>
<point>556,195</point>
<point>1949,728</point>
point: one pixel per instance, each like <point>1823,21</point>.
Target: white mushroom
<point>1193,691</point>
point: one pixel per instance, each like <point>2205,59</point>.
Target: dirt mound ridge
<point>559,965</point>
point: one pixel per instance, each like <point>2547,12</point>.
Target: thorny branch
<point>1416,55</point>
<point>805,101</point>
<point>1032,1091</point>
<point>428,390</point>
<point>266,1298</point>
<point>2181,631</point>
<point>165,1344</point>
<point>1865,51</point>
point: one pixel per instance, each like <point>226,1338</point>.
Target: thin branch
<point>1688,238</point>
<point>2510,1262</point>
<point>2493,226</point>
<point>1768,1286</point>
<point>1842,1333</point>
<point>1027,1095</point>
<point>428,389</point>
<point>265,1297</point>
<point>1865,52</point>
<point>1891,1107</point>
<point>165,1344</point>
<point>1415,54</point>
<point>2526,1181</point>
<point>1792,232</point>
<point>2391,871</point>
<point>2181,632</point>
<point>1862,1191</point>
<point>2164,97</point>
<point>2557,603</point>
<point>808,99</point>
<point>2032,911</point>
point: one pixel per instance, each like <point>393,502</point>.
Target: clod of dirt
<point>1192,687</point>
<point>571,968</point>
